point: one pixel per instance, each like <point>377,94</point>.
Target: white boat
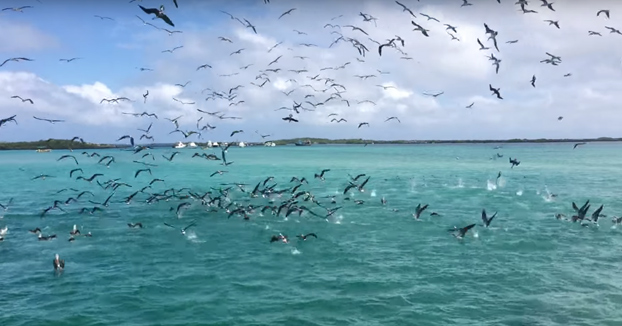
<point>241,144</point>
<point>179,145</point>
<point>215,144</point>
<point>209,144</point>
<point>192,144</point>
<point>269,144</point>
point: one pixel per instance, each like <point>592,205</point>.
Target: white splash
<point>295,251</point>
<point>460,183</point>
<point>519,193</point>
<point>335,219</point>
<point>373,193</point>
<point>501,182</point>
<point>490,185</point>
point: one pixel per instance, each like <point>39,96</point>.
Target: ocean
<point>371,264</point>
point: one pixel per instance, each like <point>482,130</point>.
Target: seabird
<point>159,14</point>
<point>418,210</point>
<point>303,237</point>
<point>462,231</point>
<point>183,231</point>
<point>279,237</point>
<point>486,219</point>
<point>59,264</point>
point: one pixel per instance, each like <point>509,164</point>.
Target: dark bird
<point>514,162</point>
<point>290,118</point>
<point>287,13</point>
<point>303,237</point>
<point>23,99</point>
<point>138,172</point>
<point>279,237</point>
<point>486,219</point>
<point>135,225</point>
<point>577,145</point>
<point>533,81</point>
<point>15,60</point>
<point>68,156</point>
<point>18,9</point>
<point>495,91</point>
<point>236,132</point>
<point>159,14</point>
<point>183,231</point>
<point>363,124</point>
<point>48,120</point>
<point>603,11</point>
<point>418,210</point>
<point>321,175</point>
<point>59,264</point>
<point>462,231</point>
<point>69,60</point>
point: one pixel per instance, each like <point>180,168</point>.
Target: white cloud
<point>458,68</point>
<point>19,37</point>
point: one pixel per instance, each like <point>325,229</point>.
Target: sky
<point>582,88</point>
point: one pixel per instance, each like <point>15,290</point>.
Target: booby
<point>486,219</point>
<point>303,237</point>
<point>46,238</point>
<point>462,231</point>
<point>75,230</point>
<point>279,237</point>
<point>59,264</point>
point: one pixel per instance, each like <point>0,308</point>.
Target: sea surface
<point>371,264</point>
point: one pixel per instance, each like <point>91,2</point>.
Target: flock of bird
<point>267,196</point>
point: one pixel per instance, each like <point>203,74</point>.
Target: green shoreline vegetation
<point>62,144</point>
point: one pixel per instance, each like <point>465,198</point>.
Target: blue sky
<point>112,50</point>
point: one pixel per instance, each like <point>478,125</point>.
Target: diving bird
<point>183,230</point>
<point>495,91</point>
<point>303,237</point>
<point>59,264</point>
<point>461,232</point>
<point>418,210</point>
<point>159,14</point>
<point>514,162</point>
<point>487,219</point>
<point>533,81</point>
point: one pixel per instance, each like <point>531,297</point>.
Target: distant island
<point>62,144</point>
<point>324,141</point>
<point>51,144</point>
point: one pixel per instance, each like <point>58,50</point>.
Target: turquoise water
<point>370,265</point>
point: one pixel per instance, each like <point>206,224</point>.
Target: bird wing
<point>167,20</point>
<point>169,225</point>
<point>149,10</point>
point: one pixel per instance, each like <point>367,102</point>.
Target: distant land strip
<point>68,144</point>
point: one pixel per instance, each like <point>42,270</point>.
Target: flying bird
<point>23,99</point>
<point>287,13</point>
<point>159,13</point>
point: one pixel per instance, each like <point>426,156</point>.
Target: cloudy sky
<point>111,52</point>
